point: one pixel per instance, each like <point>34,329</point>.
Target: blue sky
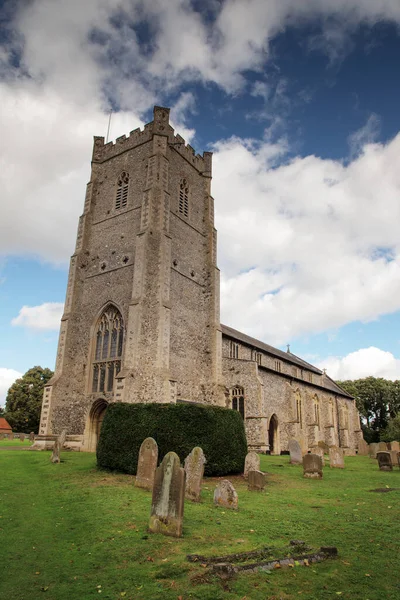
<point>298,100</point>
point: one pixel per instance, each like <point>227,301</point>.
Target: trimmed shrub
<point>175,427</point>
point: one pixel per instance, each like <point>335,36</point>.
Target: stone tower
<point>141,318</point>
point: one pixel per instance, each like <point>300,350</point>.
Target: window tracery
<point>237,395</point>
<point>121,199</point>
<point>184,198</point>
<point>109,338</point>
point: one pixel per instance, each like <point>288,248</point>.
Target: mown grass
<point>15,442</point>
<point>70,531</point>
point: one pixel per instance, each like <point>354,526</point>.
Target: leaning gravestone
<point>312,466</point>
<point>394,446</point>
<point>194,468</point>
<point>336,459</point>
<point>252,463</point>
<point>296,455</point>
<point>168,498</point>
<point>21,437</point>
<point>384,461</point>
<point>319,452</point>
<point>363,448</point>
<point>58,445</point>
<point>225,495</point>
<point>373,449</point>
<point>383,447</point>
<point>147,464</point>
<point>32,436</point>
<point>256,481</point>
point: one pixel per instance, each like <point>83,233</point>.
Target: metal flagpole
<point>108,128</point>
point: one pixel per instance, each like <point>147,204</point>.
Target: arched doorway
<point>95,421</point>
<point>273,436</point>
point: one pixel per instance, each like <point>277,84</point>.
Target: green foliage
<point>175,427</point>
<point>392,431</point>
<point>24,400</point>
<point>377,400</point>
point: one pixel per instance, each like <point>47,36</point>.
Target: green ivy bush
<point>175,427</point>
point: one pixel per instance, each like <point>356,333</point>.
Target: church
<point>141,320</point>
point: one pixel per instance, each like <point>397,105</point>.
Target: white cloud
<point>362,363</point>
<point>367,134</point>
<point>7,378</point>
<point>43,317</point>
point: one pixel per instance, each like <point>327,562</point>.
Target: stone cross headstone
<point>252,463</point>
<point>168,498</point>
<point>32,436</point>
<point>194,468</point>
<point>319,452</point>
<point>383,447</point>
<point>394,446</point>
<point>336,459</point>
<point>384,461</point>
<point>147,464</point>
<point>312,466</point>
<point>363,448</point>
<point>296,455</point>
<point>256,481</point>
<point>58,445</point>
<point>373,449</point>
<point>21,437</point>
<point>225,495</point>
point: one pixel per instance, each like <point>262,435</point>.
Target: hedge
<point>175,427</point>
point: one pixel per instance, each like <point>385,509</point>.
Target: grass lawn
<point>69,531</point>
<point>15,442</point>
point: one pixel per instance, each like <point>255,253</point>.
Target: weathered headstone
<point>363,448</point>
<point>252,463</point>
<point>168,498</point>
<point>147,464</point>
<point>225,495</point>
<point>312,466</point>
<point>384,461</point>
<point>336,459</point>
<point>256,481</point>
<point>296,455</point>
<point>319,451</point>
<point>1,436</point>
<point>324,446</point>
<point>58,445</point>
<point>383,447</point>
<point>21,437</point>
<point>394,446</point>
<point>32,436</point>
<point>394,458</point>
<point>194,467</point>
<point>373,449</point>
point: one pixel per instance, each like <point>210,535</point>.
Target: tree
<point>24,400</point>
<point>392,431</point>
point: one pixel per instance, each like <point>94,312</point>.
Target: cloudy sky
<point>299,101</point>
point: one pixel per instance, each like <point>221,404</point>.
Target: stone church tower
<point>141,318</point>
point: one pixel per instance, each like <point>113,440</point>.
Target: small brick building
<point>5,426</point>
<point>141,320</point>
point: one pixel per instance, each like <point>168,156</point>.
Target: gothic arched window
<point>121,199</point>
<point>316,410</point>
<point>184,198</point>
<point>299,415</point>
<point>237,395</point>
<point>109,339</point>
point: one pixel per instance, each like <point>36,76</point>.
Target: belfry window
<point>237,396</point>
<point>184,198</point>
<point>109,338</point>
<point>121,199</point>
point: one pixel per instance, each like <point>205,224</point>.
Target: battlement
<point>159,126</point>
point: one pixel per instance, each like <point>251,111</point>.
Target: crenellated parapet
<point>159,126</point>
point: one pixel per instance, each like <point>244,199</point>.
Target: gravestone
<point>296,455</point>
<point>373,449</point>
<point>21,437</point>
<point>383,447</point>
<point>10,436</point>
<point>319,451</point>
<point>256,481</point>
<point>147,464</point>
<point>252,463</point>
<point>312,466</point>
<point>31,436</point>
<point>363,449</point>
<point>1,436</point>
<point>336,459</point>
<point>194,468</point>
<point>384,461</point>
<point>324,446</point>
<point>58,445</point>
<point>394,446</point>
<point>394,458</point>
<point>168,498</point>
<point>225,495</point>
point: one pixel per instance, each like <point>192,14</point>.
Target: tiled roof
<point>4,424</point>
<point>289,357</point>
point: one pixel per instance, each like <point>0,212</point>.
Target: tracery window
<point>278,366</point>
<point>233,350</point>
<point>237,395</point>
<point>331,412</point>
<point>184,198</point>
<point>108,351</point>
<point>121,199</point>
<point>316,410</point>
